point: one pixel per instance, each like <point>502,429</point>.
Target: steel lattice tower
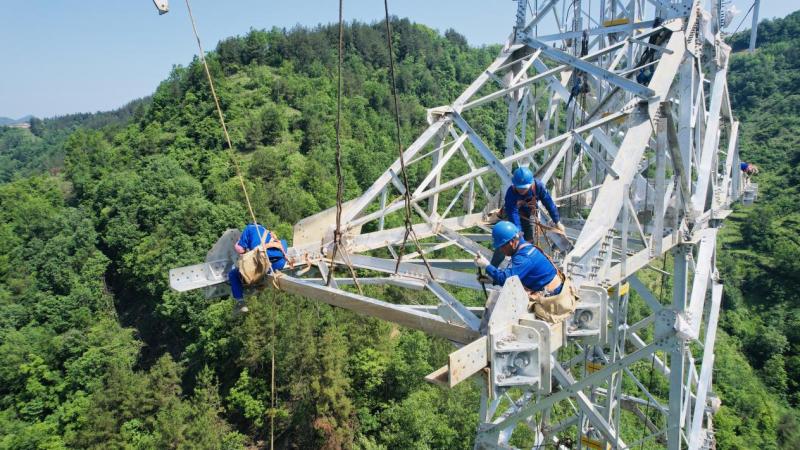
<point>624,113</point>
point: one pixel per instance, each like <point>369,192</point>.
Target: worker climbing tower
<point>621,108</point>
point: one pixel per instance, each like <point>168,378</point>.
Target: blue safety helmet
<point>523,178</point>
<point>503,232</point>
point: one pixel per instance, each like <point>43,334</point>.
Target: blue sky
<point>64,56</point>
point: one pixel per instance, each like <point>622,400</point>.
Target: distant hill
<point>759,245</point>
<point>149,186</point>
<point>5,121</point>
<point>30,145</point>
<point>770,31</point>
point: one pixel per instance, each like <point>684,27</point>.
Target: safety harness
<point>539,229</point>
<point>553,308</point>
<point>255,264</point>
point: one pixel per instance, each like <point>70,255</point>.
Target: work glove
<point>485,279</point>
<point>560,228</point>
<point>481,261</point>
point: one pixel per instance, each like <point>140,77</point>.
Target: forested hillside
<point>760,246</point>
<point>41,147</point>
<point>96,352</point>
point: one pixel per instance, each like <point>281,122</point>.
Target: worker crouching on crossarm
<point>551,294</point>
<point>521,205</point>
<point>748,169</point>
<point>260,253</point>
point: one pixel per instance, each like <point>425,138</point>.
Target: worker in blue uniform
<point>534,269</point>
<point>521,205</point>
<point>252,236</point>
<point>748,168</point>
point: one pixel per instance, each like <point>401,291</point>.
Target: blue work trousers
<point>237,288</point>
<point>235,279</point>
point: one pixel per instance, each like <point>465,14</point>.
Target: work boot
<point>240,307</point>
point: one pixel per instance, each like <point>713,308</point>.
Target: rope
<point>221,115</point>
<point>406,190</point>
<point>249,208</point>
<point>541,231</point>
<point>272,376</point>
<point>337,234</point>
<point>743,19</point>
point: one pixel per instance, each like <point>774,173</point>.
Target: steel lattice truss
<point>625,115</point>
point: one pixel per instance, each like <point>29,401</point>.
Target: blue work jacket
<point>251,238</point>
<point>532,267</point>
<point>516,204</point>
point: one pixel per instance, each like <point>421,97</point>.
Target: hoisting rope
<point>743,18</point>
<point>231,153</point>
<point>221,116</point>
<point>272,376</point>
<point>406,190</point>
<point>337,234</point>
<point>252,215</point>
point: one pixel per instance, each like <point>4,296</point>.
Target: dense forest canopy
<point>96,352</point>
<point>759,247</point>
<point>25,152</point>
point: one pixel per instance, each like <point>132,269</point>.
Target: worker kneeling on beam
<point>260,253</point>
<point>521,206</point>
<point>552,296</point>
<point>748,169</point>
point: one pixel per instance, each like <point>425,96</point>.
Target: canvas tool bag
<point>255,264</point>
<point>555,308</point>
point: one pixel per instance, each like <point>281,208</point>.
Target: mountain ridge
<point>5,121</point>
<point>97,352</point>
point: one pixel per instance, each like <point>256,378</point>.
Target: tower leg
<point>677,356</point>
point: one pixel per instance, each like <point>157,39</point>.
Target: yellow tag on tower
<point>615,22</point>
<point>623,289</point>
<point>593,444</point>
<point>592,366</point>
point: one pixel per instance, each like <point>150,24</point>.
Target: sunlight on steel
<point>614,113</point>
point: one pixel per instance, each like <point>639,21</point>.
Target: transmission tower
<point>622,109</point>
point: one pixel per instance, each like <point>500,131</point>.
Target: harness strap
<point>523,245</point>
<point>558,270</point>
<point>559,274</point>
<point>274,242</point>
<point>533,204</point>
<point>263,239</point>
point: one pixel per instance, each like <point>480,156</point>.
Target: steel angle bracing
<point>577,63</point>
<point>610,109</point>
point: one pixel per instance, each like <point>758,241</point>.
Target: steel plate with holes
<point>190,277</point>
<point>467,361</point>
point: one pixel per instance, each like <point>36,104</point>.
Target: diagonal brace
<point>578,63</point>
